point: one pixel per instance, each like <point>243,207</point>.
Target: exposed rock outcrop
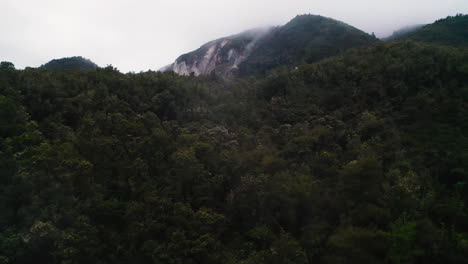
<point>222,56</point>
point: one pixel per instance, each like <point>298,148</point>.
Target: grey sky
<point>137,35</point>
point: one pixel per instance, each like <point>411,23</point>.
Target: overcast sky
<point>138,35</point>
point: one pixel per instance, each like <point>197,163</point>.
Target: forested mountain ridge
<point>306,38</point>
<point>402,32</point>
<point>452,30</point>
<point>358,158</point>
<point>71,63</point>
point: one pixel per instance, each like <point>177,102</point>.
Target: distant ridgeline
<point>71,63</point>
<point>305,39</point>
<point>452,30</point>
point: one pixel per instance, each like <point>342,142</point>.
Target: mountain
<point>70,63</point>
<point>452,30</point>
<point>306,38</point>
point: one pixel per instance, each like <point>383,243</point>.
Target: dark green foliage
<point>72,63</point>
<point>359,158</point>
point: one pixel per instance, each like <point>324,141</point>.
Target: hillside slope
<point>403,32</point>
<point>452,30</point>
<point>305,39</point>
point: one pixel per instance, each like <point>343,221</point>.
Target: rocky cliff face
<point>222,56</point>
<point>212,57</point>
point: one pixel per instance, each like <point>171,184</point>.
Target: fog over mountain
<point>143,34</point>
<point>306,38</point>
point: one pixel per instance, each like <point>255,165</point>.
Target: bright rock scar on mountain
<point>222,56</point>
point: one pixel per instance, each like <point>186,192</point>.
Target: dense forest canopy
<point>358,158</point>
